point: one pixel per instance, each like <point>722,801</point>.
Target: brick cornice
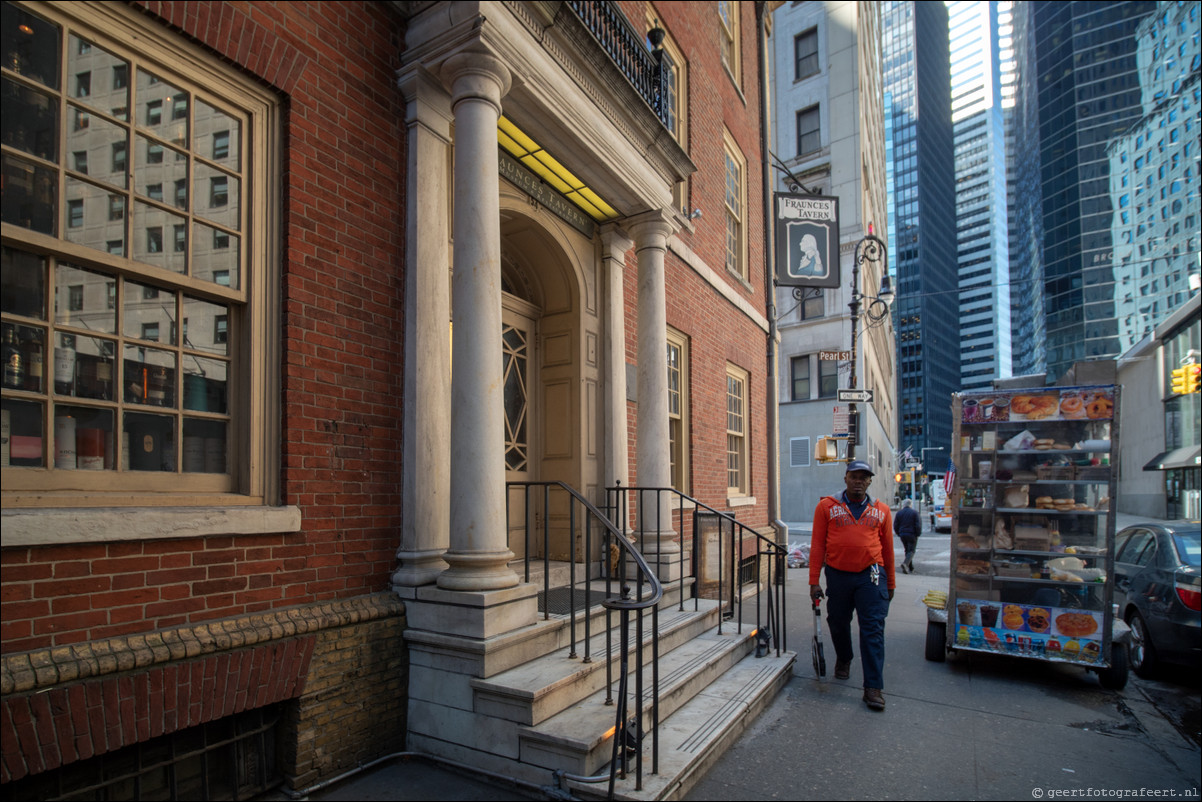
<point>46,668</point>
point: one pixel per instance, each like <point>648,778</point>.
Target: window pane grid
<point>114,382</point>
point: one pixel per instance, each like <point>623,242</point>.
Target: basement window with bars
<point>231,758</point>
<point>135,298</point>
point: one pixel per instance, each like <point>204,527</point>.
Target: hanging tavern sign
<point>807,240</point>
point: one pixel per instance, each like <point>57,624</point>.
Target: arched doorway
<point>550,365</point>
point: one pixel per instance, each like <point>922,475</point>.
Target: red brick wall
<point>718,332</point>
<point>42,731</point>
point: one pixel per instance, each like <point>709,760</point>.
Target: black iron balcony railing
<point>627,49</point>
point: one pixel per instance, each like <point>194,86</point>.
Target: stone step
<point>539,689</point>
<point>579,739</point>
<point>701,729</point>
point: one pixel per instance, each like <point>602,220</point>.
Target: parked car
<point>1158,590</point>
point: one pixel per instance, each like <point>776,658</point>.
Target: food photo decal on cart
<point>1077,403</point>
<point>1054,633</point>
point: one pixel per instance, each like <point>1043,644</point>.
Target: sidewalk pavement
<point>976,727</point>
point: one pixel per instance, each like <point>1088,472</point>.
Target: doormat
<point>561,601</point>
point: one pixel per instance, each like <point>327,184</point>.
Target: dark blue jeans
<point>849,592</point>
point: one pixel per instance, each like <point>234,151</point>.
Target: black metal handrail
<point>767,558</point>
<point>629,565</point>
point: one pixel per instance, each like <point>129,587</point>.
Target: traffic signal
<point>1193,373</point>
<point>1181,381</point>
<point>899,477</point>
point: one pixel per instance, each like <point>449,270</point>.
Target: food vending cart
<point>1032,557</point>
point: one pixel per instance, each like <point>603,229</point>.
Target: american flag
<point>949,478</point>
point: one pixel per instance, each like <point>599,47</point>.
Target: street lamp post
<point>869,249</point>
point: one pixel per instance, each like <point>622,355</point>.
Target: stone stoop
<point>700,730</point>
<point>541,688</point>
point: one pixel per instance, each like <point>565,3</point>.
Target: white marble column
<point>478,555</point>
<point>615,244</point>
<point>426,487</point>
<point>652,459</point>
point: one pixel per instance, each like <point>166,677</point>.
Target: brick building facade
<point>223,541</point>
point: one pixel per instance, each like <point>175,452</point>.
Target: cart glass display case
<point>1033,524</point>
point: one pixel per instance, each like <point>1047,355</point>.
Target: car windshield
<point>1189,544</point>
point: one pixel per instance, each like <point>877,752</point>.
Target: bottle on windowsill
<point>14,363</point>
<point>35,362</point>
<point>64,365</point>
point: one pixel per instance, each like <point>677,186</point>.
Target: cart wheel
<point>1115,676</point>
<point>936,642</point>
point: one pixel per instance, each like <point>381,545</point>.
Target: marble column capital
<point>615,242</point>
<point>427,101</point>
<point>479,76</point>
<point>652,229</point>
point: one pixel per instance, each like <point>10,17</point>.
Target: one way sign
<point>864,396</point>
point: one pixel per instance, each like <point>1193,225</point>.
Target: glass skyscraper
<point>922,224</point>
<point>1089,98</point>
<point>981,224</point>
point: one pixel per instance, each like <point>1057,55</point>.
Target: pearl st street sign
<point>834,356</point>
<point>862,396</point>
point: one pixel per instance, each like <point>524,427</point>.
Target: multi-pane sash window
<point>828,378</point>
<point>678,410</point>
<point>736,194</point>
<point>736,431</point>
<point>113,398</point>
<point>728,14</point>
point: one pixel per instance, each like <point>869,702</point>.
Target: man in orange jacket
<point>853,538</point>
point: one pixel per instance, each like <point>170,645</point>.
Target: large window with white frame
<point>737,459</point>
<point>136,269</point>
<point>735,207</point>
<point>678,409</point>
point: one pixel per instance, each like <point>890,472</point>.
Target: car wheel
<point>936,646</point>
<point>1143,654</point>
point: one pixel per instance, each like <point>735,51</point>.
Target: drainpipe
<point>782,531</point>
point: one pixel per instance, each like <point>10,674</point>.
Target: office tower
<point>1090,97</point>
<point>982,243</point>
<point>1020,106</point>
<point>922,222</point>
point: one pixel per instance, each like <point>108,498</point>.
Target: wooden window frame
<point>735,207</point>
<point>731,39</point>
<point>679,441</point>
<point>252,438</point>
<point>738,459</point>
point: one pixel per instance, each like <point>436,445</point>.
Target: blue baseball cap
<point>859,465</point>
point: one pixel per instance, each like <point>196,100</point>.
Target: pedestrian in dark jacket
<point>908,527</point>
